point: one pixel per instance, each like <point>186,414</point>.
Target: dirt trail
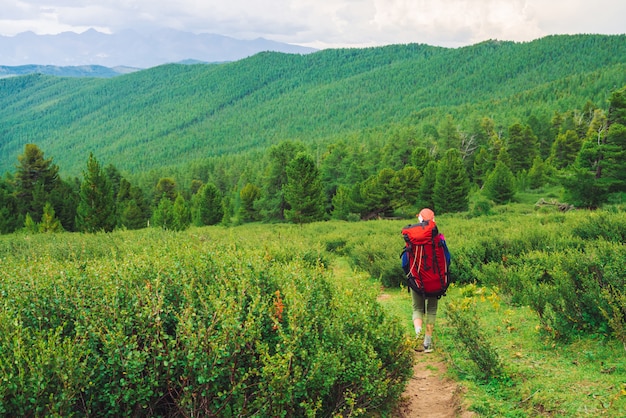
<point>429,394</point>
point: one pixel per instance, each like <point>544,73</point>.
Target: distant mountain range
<point>66,71</point>
<point>129,49</point>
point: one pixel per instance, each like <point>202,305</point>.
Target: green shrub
<point>611,227</point>
<point>481,207</point>
<point>336,244</point>
<point>468,331</point>
<point>616,313</point>
<point>379,262</point>
<point>568,288</point>
<point>199,323</point>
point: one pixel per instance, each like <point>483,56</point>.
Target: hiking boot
<point>428,348</point>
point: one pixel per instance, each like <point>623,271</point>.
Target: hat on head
<point>426,215</point>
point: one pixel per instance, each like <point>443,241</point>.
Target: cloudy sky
<point>325,23</point>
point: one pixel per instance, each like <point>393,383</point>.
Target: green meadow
<point>286,320</point>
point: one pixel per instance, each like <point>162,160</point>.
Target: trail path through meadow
<point>429,394</point>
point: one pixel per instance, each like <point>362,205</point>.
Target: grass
<point>541,377</point>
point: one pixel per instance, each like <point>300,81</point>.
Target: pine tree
<point>500,184</point>
<point>207,206</point>
<point>273,203</point>
<point>9,215</point>
<point>600,166</point>
<point>451,190</point>
<point>303,190</point>
<point>426,191</point>
<point>450,134</point>
<point>378,194</point>
<point>522,147</point>
<point>34,180</point>
<point>181,214</point>
<point>133,211</point>
<point>565,149</point>
<point>49,221</point>
<point>406,184</point>
<point>166,187</point>
<point>163,215</point>
<point>96,209</point>
<point>483,164</point>
<point>249,194</point>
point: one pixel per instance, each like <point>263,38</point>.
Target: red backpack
<point>425,259</point>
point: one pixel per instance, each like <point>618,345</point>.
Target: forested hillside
<point>345,134</point>
<point>173,114</point>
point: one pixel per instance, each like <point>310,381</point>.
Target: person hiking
<point>425,302</point>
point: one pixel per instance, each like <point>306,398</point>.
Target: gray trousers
<point>424,308</point>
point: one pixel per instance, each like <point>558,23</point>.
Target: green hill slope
<point>173,114</point>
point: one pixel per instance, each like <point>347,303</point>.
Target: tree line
<point>439,167</point>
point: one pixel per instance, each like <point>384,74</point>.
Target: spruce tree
<point>451,190</point>
<point>9,216</point>
<point>334,167</point>
<point>96,209</point>
<point>133,210</point>
<point>248,195</point>
<point>378,193</point>
<point>565,149</point>
<point>342,204</point>
<point>163,215</point>
<point>420,157</point>
<point>30,225</point>
<point>482,166</point>
<point>34,180</point>
<point>405,185</point>
<point>304,192</point>
<point>49,221</point>
<point>181,214</point>
<point>207,206</point>
<point>273,203</point>
<point>166,187</point>
<point>500,184</point>
<point>600,166</point>
<point>522,147</point>
<point>426,192</point>
<point>537,175</point>
<point>614,159</point>
<point>449,134</point>
<point>64,199</point>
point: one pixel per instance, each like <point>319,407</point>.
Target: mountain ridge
<point>131,49</point>
<point>66,71</point>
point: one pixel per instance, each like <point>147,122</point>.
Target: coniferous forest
<point>346,134</point>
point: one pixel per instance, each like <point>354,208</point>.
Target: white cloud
<point>324,23</point>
